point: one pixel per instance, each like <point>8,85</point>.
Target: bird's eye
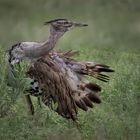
<point>66,22</point>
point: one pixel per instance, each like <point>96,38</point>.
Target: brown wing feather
<point>53,82</point>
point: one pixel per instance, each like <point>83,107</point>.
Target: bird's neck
<point>50,44</point>
<point>46,47</point>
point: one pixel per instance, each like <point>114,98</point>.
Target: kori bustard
<point>58,78</point>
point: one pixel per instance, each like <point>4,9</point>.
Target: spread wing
<point>62,80</point>
<point>86,92</point>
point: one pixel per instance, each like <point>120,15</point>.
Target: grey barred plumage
<point>57,77</point>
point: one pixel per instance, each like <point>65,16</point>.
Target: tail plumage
<point>93,69</point>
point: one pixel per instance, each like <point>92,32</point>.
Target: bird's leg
<point>39,102</point>
<point>29,104</point>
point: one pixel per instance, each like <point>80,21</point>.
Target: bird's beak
<point>79,25</point>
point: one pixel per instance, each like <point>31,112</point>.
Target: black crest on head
<point>55,20</point>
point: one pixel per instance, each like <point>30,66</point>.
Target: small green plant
<point>11,87</point>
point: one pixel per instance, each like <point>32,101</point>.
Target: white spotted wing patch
<point>35,89</point>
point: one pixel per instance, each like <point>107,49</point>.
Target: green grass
<point>112,37</point>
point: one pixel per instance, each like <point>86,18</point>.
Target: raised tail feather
<point>95,70</point>
<point>85,67</point>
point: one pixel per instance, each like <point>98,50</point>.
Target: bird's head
<point>63,25</point>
